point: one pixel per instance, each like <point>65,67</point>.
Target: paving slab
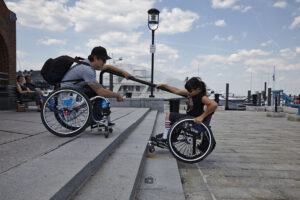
<point>56,173</point>
<point>117,177</point>
<point>256,157</point>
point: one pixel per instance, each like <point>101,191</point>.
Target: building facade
<point>7,56</point>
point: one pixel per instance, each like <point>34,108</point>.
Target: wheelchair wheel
<point>66,112</point>
<point>190,142</point>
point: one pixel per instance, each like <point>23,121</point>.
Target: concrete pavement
<point>256,157</point>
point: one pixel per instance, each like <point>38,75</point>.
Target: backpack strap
<point>79,61</point>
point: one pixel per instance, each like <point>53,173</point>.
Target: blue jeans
<point>97,107</point>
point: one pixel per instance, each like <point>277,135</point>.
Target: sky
<point>239,42</point>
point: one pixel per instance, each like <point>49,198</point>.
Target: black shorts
<point>177,116</point>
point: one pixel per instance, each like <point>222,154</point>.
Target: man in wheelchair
<point>89,84</point>
<point>197,99</point>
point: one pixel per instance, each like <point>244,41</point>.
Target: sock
<point>167,127</point>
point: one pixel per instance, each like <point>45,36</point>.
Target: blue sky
<point>223,41</point>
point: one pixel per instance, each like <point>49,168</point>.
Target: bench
<point>22,103</point>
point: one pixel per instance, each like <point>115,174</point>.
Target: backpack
<point>55,69</point>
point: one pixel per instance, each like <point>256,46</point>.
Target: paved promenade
<point>256,157</point>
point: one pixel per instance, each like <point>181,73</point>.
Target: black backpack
<point>55,69</point>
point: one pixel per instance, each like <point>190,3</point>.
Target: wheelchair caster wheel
<point>151,148</point>
<point>110,130</point>
<point>106,135</point>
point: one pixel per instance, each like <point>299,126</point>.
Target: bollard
<point>265,92</point>
<point>226,98</point>
<point>217,98</point>
<point>269,96</point>
<point>174,105</point>
<point>254,99</point>
<point>111,82</point>
<point>275,103</point>
<point>249,95</point>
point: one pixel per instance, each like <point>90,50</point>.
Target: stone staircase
<point>38,165</point>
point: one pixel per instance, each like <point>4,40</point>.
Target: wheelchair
<point>187,141</point>
<point>67,112</point>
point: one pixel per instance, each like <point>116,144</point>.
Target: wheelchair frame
<point>62,103</point>
<point>196,139</point>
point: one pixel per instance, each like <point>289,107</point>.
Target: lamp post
<point>153,21</point>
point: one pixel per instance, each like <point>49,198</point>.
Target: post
<point>217,98</point>
<point>152,65</point>
<point>111,82</point>
<point>249,95</point>
<point>254,99</point>
<point>226,98</point>
<point>269,96</point>
<point>276,97</point>
<point>265,92</point>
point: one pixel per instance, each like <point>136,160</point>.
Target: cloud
<point>252,61</point>
<point>176,21</point>
<point>109,15</point>
<point>266,43</point>
<point>280,4</point>
<point>219,38</point>
<point>295,23</point>
<point>46,15</point>
<point>241,8</point>
<point>223,4</point>
<point>287,53</point>
<point>220,23</point>
<point>88,16</point>
<point>51,41</point>
<point>229,4</point>
<point>114,38</point>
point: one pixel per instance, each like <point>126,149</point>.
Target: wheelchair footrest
<point>159,144</point>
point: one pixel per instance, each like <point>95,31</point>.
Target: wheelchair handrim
<point>51,96</point>
<point>180,157</point>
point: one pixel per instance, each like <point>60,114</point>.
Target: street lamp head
<point>153,19</point>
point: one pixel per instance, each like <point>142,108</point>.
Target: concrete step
<point>160,178</point>
<point>118,176</point>
<point>60,171</point>
<point>24,137</point>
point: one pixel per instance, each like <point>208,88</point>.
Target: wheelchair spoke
<point>65,112</point>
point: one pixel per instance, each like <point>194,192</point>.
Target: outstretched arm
<point>99,90</point>
<point>116,69</point>
<point>173,89</point>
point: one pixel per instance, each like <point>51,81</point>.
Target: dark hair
<point>91,58</point>
<point>19,76</point>
<point>195,83</point>
<point>27,76</point>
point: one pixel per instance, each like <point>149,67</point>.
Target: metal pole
<point>269,96</point>
<point>226,98</point>
<point>111,87</point>
<point>152,65</point>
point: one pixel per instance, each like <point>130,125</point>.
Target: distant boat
<point>132,89</point>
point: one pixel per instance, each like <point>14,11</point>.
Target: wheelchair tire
<point>66,112</point>
<point>190,142</point>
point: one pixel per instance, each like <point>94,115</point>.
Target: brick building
<point>7,54</point>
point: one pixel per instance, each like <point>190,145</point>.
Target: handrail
<point>133,79</point>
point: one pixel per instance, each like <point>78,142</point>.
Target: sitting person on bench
<point>25,93</point>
